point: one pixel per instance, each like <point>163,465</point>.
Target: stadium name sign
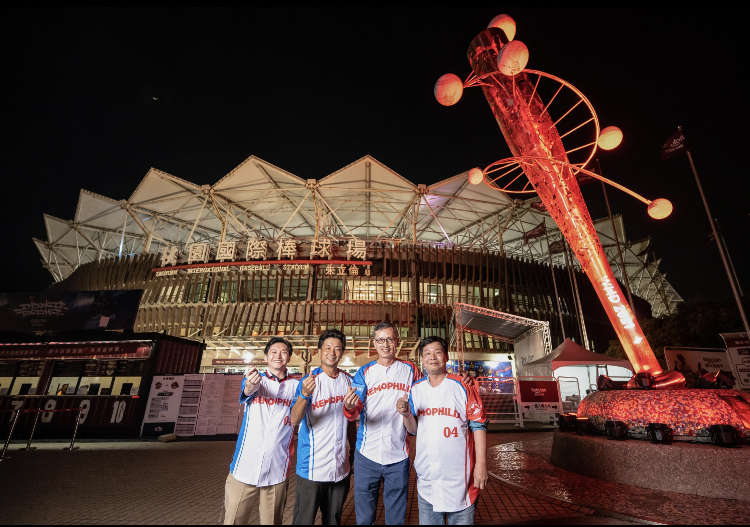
<point>254,257</point>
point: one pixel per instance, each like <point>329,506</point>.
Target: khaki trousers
<point>239,501</point>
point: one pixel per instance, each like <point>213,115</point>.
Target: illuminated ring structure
<point>528,160</point>
<point>510,181</point>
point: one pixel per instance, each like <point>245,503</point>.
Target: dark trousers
<point>329,497</point>
<point>367,486</point>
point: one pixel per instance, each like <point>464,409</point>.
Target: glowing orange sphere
<point>448,89</point>
<point>506,23</point>
<point>660,209</point>
<point>610,138</point>
<point>476,176</point>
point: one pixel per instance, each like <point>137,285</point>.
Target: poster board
<point>738,350</point>
<point>163,405</point>
<point>189,403</point>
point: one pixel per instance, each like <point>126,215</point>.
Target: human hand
<point>252,375</point>
<point>480,476</point>
<point>402,406</point>
<point>351,399</point>
<point>467,380</point>
<point>308,386</point>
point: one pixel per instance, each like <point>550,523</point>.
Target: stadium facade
<point>263,252</point>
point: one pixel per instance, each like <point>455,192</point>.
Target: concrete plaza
<point>146,482</point>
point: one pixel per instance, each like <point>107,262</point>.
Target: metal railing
<point>38,411</point>
<point>499,399</point>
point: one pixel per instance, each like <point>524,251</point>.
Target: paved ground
<point>145,482</point>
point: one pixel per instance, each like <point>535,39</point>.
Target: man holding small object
<point>262,459</point>
<point>382,450</point>
<point>449,421</point>
<point>323,457</point>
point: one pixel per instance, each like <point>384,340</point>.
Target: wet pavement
<point>146,482</point>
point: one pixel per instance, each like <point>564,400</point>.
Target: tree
<point>697,323</point>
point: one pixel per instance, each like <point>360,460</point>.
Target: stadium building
<point>263,252</point>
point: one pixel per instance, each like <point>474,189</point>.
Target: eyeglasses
<point>380,342</point>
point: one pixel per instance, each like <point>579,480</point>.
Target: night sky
<point>314,90</point>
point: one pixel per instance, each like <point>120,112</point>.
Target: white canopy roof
<point>365,199</point>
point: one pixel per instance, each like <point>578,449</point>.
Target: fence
<point>499,398</point>
<point>38,411</point>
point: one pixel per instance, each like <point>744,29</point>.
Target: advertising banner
<point>539,396</point>
<point>163,405</point>
<point>82,310</point>
<point>738,349</point>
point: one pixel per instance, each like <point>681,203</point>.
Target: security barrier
<point>499,398</point>
<point>38,411</point>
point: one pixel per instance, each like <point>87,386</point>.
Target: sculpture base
<point>689,413</point>
<point>687,468</point>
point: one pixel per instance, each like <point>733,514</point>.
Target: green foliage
<point>697,323</point>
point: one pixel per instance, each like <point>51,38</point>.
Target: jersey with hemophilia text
<point>264,446</point>
<point>445,444</point>
<point>382,435</point>
<point>322,454</point>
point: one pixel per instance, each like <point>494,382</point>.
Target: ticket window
<point>96,385</point>
<point>20,377</point>
<point>126,385</point>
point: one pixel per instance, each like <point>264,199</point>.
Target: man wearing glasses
<point>382,449</point>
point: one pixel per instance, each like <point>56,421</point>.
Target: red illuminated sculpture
<point>536,139</point>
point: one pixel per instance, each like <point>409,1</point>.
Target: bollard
<point>10,434</point>
<point>33,429</point>
<point>75,431</point>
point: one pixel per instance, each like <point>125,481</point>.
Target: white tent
<point>577,369</point>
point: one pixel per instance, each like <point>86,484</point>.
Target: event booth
<point>577,370</point>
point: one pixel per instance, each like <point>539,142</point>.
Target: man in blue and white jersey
<point>382,444</point>
<point>262,459</point>
<point>323,457</point>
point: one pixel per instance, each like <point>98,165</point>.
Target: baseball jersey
<point>265,448</point>
<point>444,463</point>
<point>322,454</point>
<point>382,436</point>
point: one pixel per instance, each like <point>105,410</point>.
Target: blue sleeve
<point>243,398</point>
<point>411,405</point>
<point>474,426</point>
<point>359,378</point>
<point>298,391</point>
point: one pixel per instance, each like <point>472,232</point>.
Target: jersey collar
<point>274,378</point>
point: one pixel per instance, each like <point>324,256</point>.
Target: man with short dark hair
<point>449,421</point>
<point>262,459</point>
<point>323,458</point>
<point>382,444</point>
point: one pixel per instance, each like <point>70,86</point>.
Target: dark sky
<point>313,90</point>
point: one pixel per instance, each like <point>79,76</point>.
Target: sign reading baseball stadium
<point>230,256</point>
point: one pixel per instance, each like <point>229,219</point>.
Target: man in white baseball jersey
<point>382,445</point>
<point>323,457</point>
<point>449,421</point>
<point>262,459</point>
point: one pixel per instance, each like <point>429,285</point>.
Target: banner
<point>738,349</point>
<point>675,145</point>
<point>537,232</point>
<point>557,247</point>
<point>82,310</point>
<point>539,396</point>
<point>689,360</point>
<point>538,205</point>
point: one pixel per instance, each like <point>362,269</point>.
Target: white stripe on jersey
<point>322,453</point>
<point>382,437</point>
<point>445,445</point>
<point>264,445</point>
